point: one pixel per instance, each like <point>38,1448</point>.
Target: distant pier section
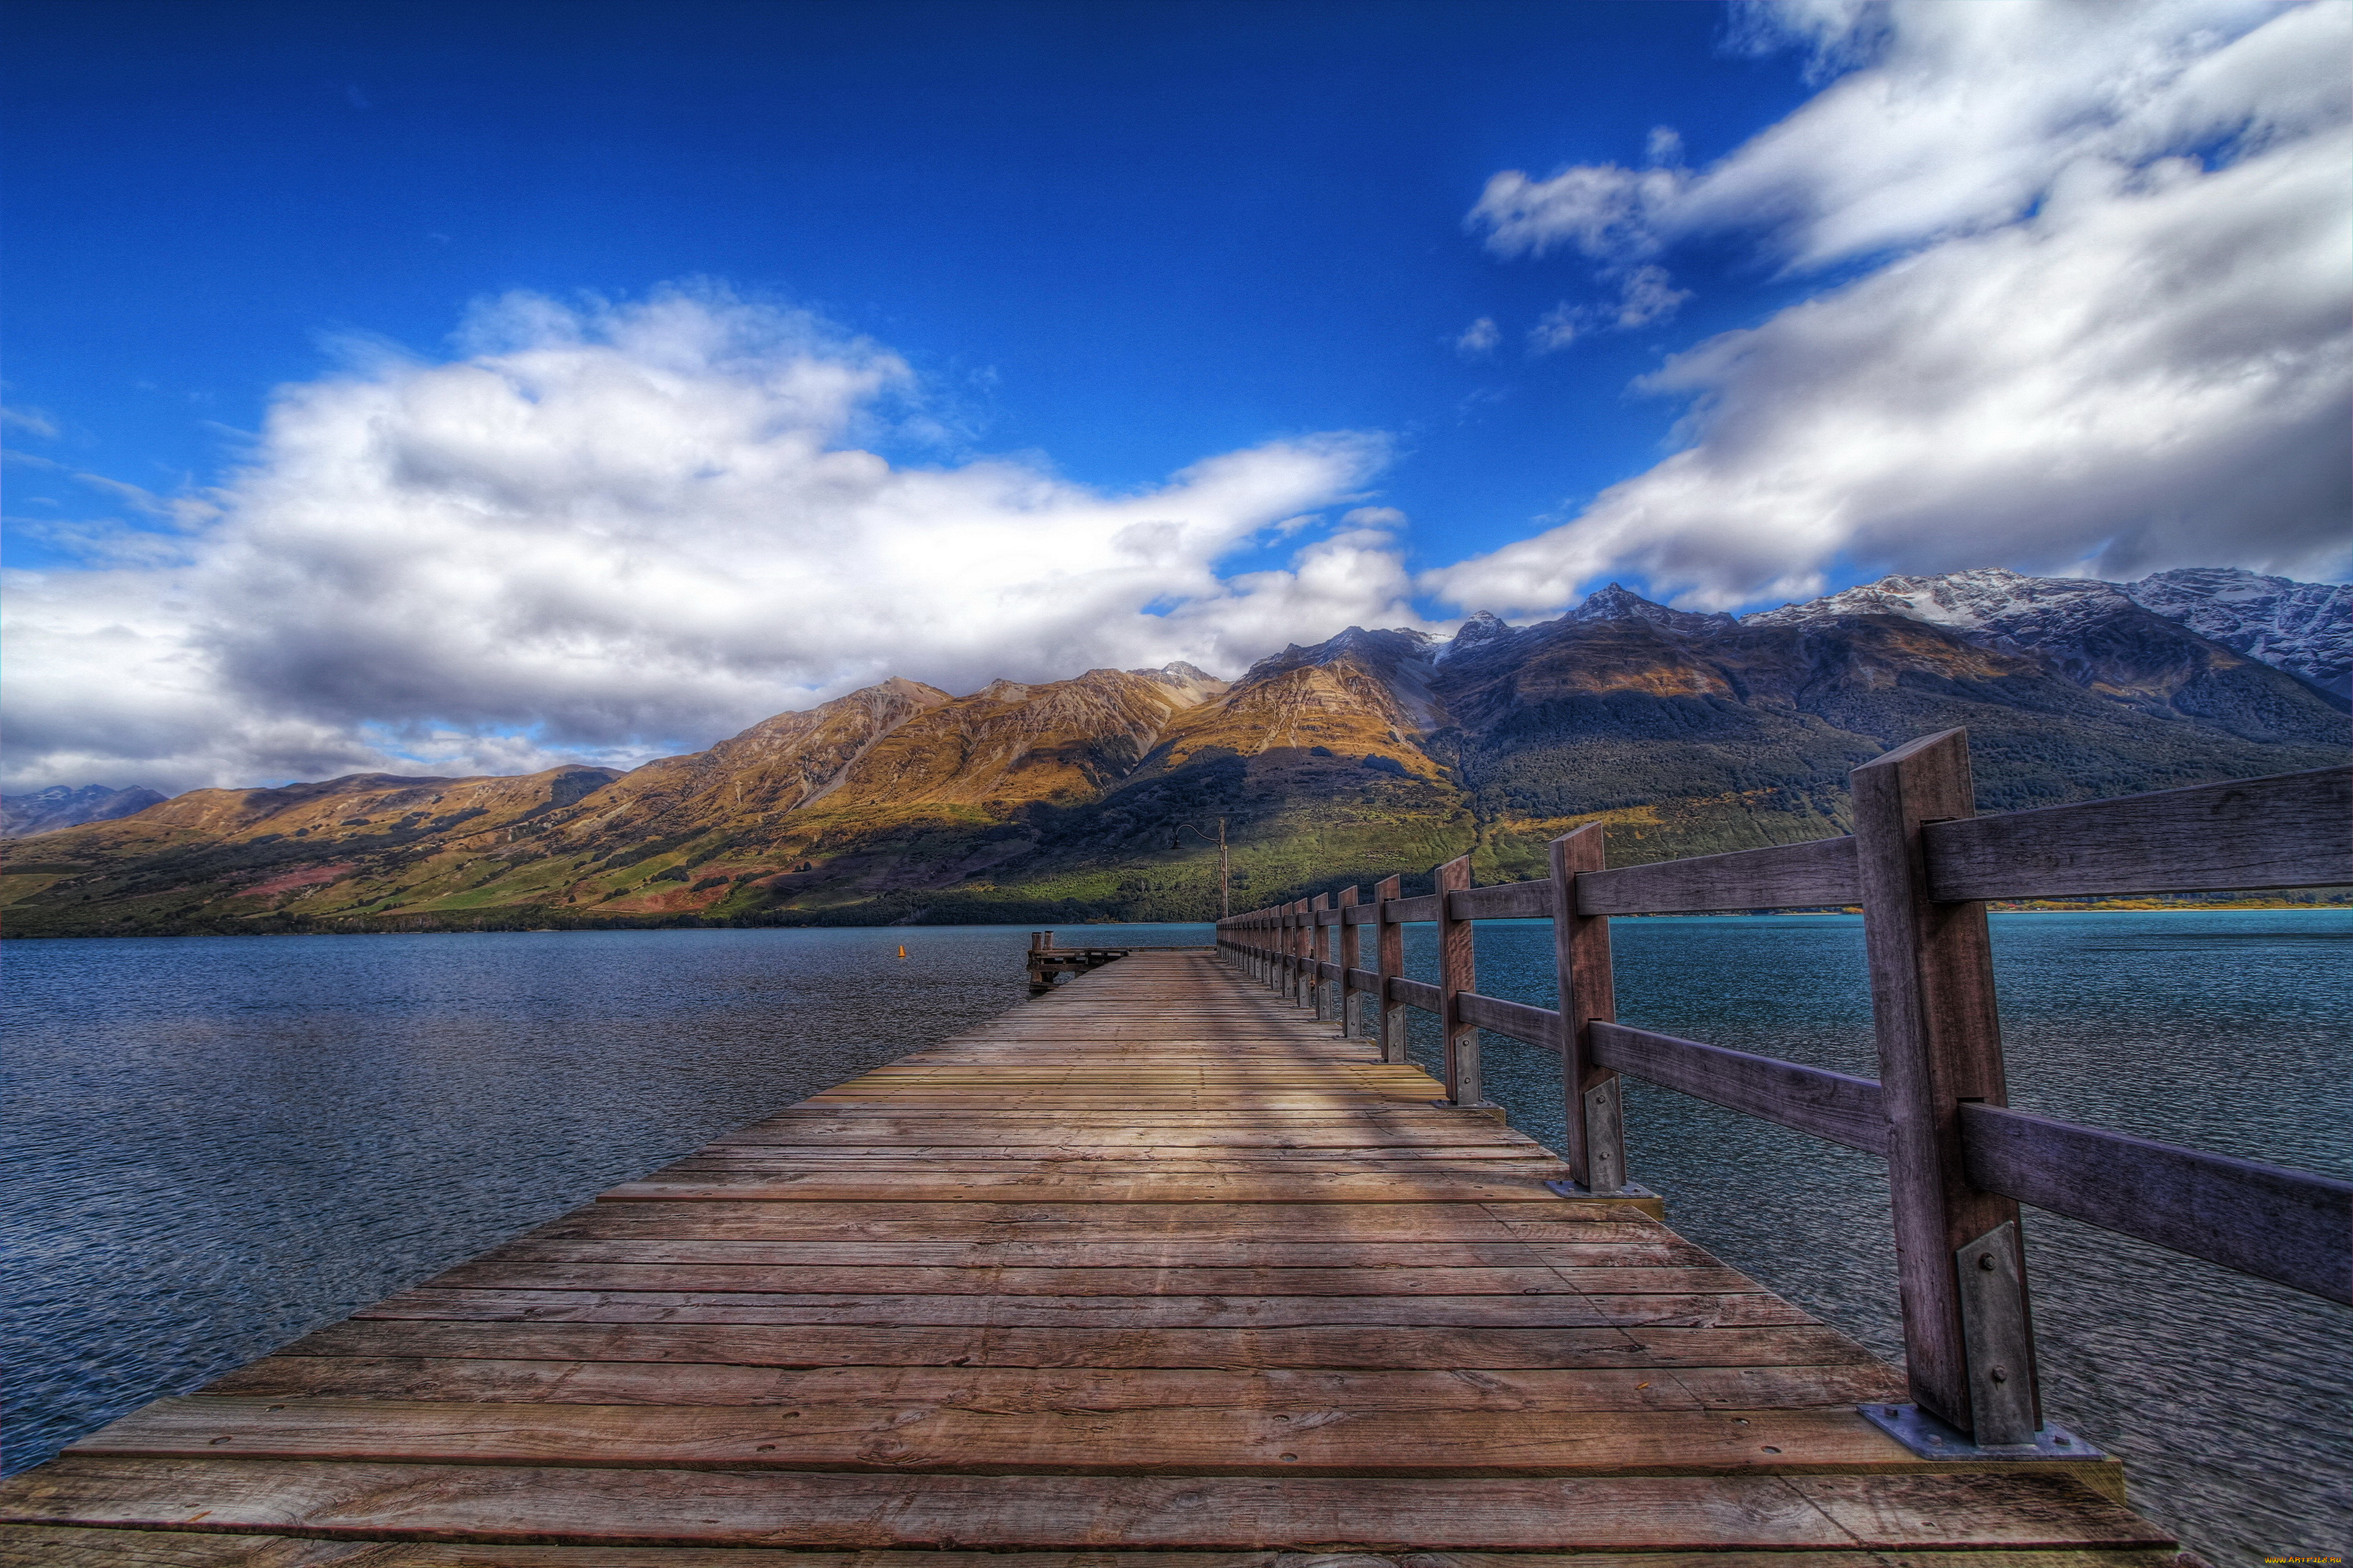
<point>1048,962</point>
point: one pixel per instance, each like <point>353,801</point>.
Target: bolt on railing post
<point>1969,1341</point>
<point>1388,945</point>
<point>1593,1112</point>
<point>1345,937</point>
<point>1456,975</point>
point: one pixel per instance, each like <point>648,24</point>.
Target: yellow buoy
<point>902,950</point>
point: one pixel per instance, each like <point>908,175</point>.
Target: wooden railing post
<point>1388,943</point>
<point>1302,943</point>
<point>1456,974</point>
<point>1317,994</point>
<point>1346,935</point>
<point>1594,1109</point>
<point>1968,1343</point>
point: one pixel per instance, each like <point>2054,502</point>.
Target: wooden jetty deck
<point>1155,1271</point>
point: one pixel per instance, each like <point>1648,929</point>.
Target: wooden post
<point>1302,947</point>
<point>1594,1110</point>
<point>1456,975</point>
<point>1932,1002</point>
<point>1349,942</point>
<point>1292,937</point>
<point>1317,994</point>
<point>1388,940</point>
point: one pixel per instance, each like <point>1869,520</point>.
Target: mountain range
<point>1367,753</point>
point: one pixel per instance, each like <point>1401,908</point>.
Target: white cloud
<point>1646,295</point>
<point>614,530</point>
<point>1557,328</point>
<point>32,421</point>
<point>1962,119</point>
<point>1479,339</point>
<point>2089,350</point>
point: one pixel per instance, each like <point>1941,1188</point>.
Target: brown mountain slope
<point>1372,751</point>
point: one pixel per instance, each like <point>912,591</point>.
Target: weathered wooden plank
<point>1783,876</point>
<point>1416,993</point>
<point>867,1279</point>
<point>1044,1219</point>
<point>1061,1390</point>
<point>1114,1250</point>
<point>67,1547</point>
<point>1538,1026</point>
<point>1411,912</point>
<point>1563,1309</point>
<point>946,1437</point>
<point>550,1505</point>
<point>1504,901</point>
<point>2266,1220</point>
<point>1367,1187</point>
<point>1644,1346</point>
<point>2285,831</point>
<point>1815,1101</point>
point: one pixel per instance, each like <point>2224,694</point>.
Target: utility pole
<point>1225,866</point>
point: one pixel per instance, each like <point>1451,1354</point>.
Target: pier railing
<point>1920,866</point>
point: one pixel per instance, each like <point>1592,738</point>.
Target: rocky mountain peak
<point>1483,629</point>
<point>1984,598</point>
<point>2305,628</point>
<point>1618,603</point>
<point>61,806</point>
<point>1184,684</point>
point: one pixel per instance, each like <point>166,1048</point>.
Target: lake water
<point>216,1144</point>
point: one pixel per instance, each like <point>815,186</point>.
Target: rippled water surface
<point>218,1144</point>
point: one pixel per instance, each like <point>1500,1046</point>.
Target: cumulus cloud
<point>1646,296</point>
<point>2106,329</point>
<point>609,530</point>
<point>1479,339</point>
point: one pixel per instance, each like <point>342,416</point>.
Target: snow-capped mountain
<point>2304,629</point>
<point>61,806</point>
<point>1617,603</point>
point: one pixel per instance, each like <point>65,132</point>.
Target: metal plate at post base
<point>1932,1437</point>
<point>1579,1190</point>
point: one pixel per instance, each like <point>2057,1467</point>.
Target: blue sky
<point>469,387</point>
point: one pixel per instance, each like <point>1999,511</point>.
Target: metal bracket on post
<point>1605,1147</point>
<point>1995,1337</point>
<point>1931,1438</point>
<point>1605,1136</point>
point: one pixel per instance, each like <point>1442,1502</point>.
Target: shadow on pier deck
<point>1155,1271</point>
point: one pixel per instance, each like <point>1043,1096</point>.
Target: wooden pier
<point>1182,1265</point>
<point>1157,1264</point>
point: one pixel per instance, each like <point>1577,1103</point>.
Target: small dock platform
<point>1154,1271</point>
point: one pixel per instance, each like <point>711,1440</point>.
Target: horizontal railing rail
<point>1920,868</point>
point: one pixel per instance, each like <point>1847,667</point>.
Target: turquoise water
<point>216,1144</point>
